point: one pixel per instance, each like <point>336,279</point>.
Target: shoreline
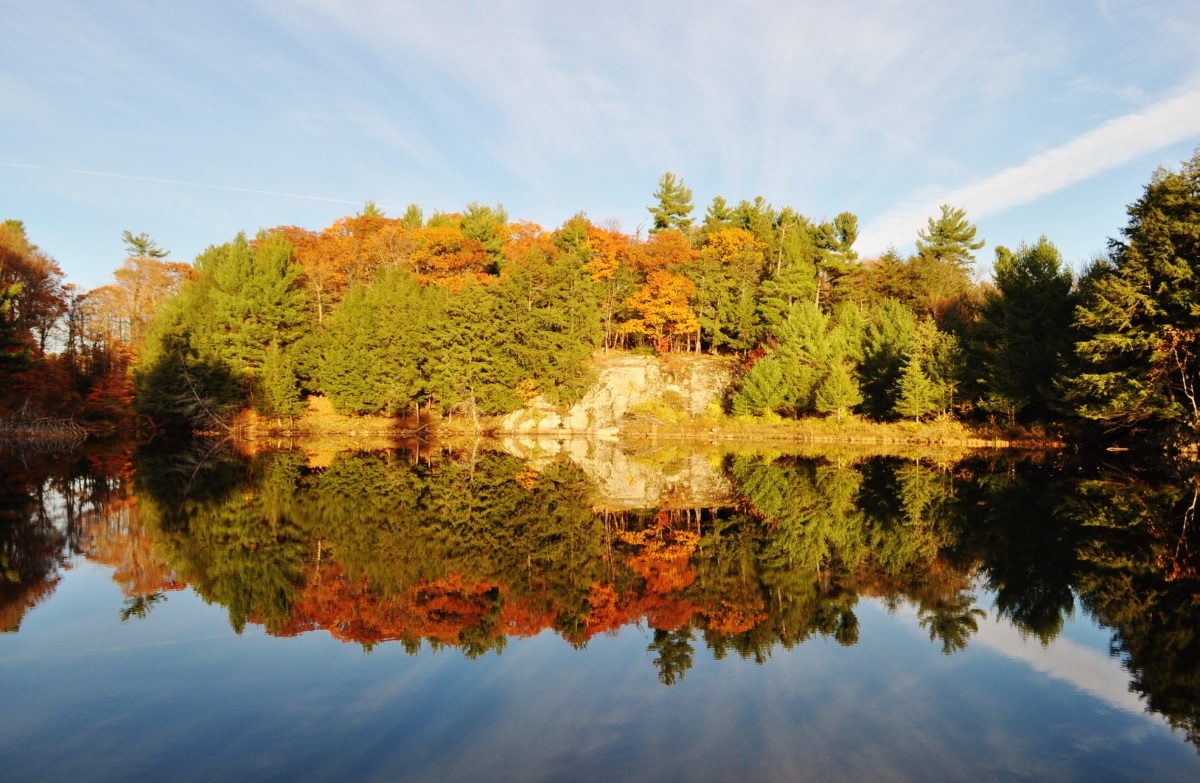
<point>707,430</point>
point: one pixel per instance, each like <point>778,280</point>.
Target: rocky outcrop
<point>685,383</point>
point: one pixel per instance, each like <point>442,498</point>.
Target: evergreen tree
<point>761,390</point>
<point>207,347</point>
<point>949,238</point>
<point>373,348</point>
<point>718,217</point>
<point>792,273</point>
<point>889,337</point>
<point>472,369</point>
<point>758,217</point>
<point>811,343</point>
<point>838,391</point>
<point>674,205</point>
<point>727,276</point>
<point>279,389</point>
<point>370,210</point>
<point>413,218</point>
<point>14,348</point>
<point>917,395</point>
<point>551,309</point>
<point>836,256</point>
<point>1139,312</point>
<point>486,225</point>
<point>1025,332</point>
<point>142,246</point>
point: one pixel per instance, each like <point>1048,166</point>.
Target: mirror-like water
<point>594,614</point>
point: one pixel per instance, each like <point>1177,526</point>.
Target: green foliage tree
<point>673,207</point>
<point>1024,336</point>
<point>836,256</point>
<point>791,276</point>
<point>550,307</point>
<point>373,348</point>
<point>761,390</point>
<point>471,367</point>
<point>949,238</point>
<point>811,343</point>
<point>206,349</point>
<point>727,276</point>
<point>838,390</point>
<point>718,217</point>
<point>14,348</point>
<point>487,226</point>
<point>279,392</point>
<point>413,218</point>
<point>917,395</point>
<point>1139,313</point>
<point>142,246</point>
<point>889,336</point>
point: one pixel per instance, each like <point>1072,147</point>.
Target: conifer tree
<point>838,391</point>
<point>917,395</point>
<point>1025,331</point>
<point>718,216</point>
<point>761,390</point>
<point>949,238</point>
<point>279,388</point>
<point>14,349</point>
<point>207,347</point>
<point>888,339</point>
<point>142,246</point>
<point>673,207</point>
<point>1139,312</point>
<point>371,354</point>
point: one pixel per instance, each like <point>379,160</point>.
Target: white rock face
<point>623,382</point>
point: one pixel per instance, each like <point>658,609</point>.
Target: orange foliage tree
<point>444,255</point>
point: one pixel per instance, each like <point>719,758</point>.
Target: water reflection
<point>468,550</point>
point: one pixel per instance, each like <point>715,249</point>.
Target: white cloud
<point>1113,144</point>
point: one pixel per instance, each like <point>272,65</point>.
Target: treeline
<point>474,313</point>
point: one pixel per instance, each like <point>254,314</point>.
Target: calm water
<point>199,614</point>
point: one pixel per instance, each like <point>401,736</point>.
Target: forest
<point>474,313</point>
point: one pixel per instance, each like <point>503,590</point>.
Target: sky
<point>194,121</point>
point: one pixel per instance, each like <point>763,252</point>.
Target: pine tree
<point>917,395</point>
<point>718,217</point>
<point>142,246</point>
<point>949,238</point>
<point>761,391</point>
<point>279,389</point>
<point>206,348</point>
<point>888,339</point>
<point>674,205</point>
<point>1024,334</point>
<point>1139,312</point>
<point>838,391</point>
<point>373,349</point>
<point>14,348</point>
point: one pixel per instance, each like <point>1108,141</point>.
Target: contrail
<point>187,183</point>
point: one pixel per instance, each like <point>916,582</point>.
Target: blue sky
<point>193,121</point>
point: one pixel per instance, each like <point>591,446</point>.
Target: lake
<point>582,611</point>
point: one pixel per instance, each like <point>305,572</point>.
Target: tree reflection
<point>674,652</point>
<point>952,622</point>
<point>440,550</point>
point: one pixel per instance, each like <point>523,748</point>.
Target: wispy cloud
<point>1112,144</point>
<point>190,184</point>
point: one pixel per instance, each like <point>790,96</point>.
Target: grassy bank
<point>650,423</point>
